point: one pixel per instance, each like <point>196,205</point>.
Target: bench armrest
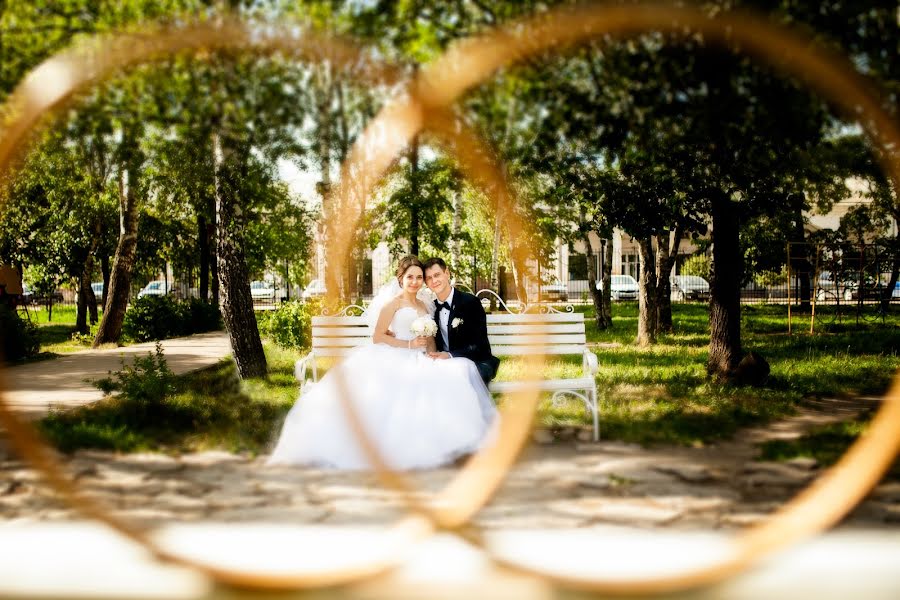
<point>590,363</point>
<point>301,366</point>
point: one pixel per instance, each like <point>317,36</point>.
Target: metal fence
<point>834,282</point>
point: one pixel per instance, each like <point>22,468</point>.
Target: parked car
<point>689,287</point>
<point>97,286</point>
<point>262,290</point>
<point>829,289</point>
<point>623,287</point>
<point>154,288</point>
<point>870,291</point>
<point>554,292</point>
<point>315,289</point>
<point>27,295</point>
<point>30,297</point>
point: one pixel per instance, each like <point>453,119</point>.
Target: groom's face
<point>438,281</point>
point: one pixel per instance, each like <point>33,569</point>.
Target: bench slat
<point>499,341</point>
<point>360,321</point>
<point>492,319</point>
<point>495,318</point>
<point>339,347</point>
<point>504,328</point>
<point>520,340</point>
<point>547,385</point>
<point>523,350</point>
<point>321,352</point>
<point>341,331</point>
<point>342,342</point>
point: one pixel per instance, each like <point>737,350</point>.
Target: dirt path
<point>563,484</point>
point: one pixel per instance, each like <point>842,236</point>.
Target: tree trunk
<point>725,291</point>
<point>120,280</point>
<point>456,227</point>
<point>211,229</point>
<point>888,292</point>
<point>237,303</point>
<point>92,304</point>
<point>81,300</point>
<point>106,271</point>
<point>519,270</point>
<point>802,265</point>
<point>592,275</point>
<point>606,247</point>
<point>495,263</point>
<point>594,278</point>
<point>86,302</point>
<point>203,249</point>
<point>647,314</point>
<point>353,273</point>
<point>665,260</point>
<point>414,219</point>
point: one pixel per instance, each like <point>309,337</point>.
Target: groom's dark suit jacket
<point>469,338</point>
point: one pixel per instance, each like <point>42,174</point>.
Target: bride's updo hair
<point>405,263</point>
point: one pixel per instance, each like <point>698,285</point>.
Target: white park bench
<point>549,332</point>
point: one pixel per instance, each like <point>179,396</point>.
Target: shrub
<point>154,318</point>
<point>20,338</point>
<point>202,316</point>
<point>148,380</point>
<point>160,317</point>
<point>290,325</point>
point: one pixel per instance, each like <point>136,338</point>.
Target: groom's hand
<point>441,355</point>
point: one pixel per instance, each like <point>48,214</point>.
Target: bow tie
<point>441,305</point>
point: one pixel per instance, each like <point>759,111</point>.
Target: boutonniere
<point>456,322</point>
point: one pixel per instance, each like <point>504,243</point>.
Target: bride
<point>418,411</point>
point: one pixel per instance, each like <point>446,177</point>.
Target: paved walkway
<point>34,388</point>
<point>556,485</point>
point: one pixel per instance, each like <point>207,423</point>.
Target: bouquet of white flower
<point>424,326</point>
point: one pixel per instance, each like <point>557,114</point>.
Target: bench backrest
<point>510,334</point>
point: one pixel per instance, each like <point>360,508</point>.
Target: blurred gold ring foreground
<point>53,85</point>
<point>473,61</point>
<point>439,85</point>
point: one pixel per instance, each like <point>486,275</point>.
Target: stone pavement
<point>558,485</point>
<point>32,389</point>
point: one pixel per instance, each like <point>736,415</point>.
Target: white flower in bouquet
<point>424,326</point>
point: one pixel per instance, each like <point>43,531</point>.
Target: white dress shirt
<point>444,320</point>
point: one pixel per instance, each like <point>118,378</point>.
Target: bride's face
<point>412,280</point>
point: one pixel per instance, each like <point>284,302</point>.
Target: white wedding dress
<point>419,411</point>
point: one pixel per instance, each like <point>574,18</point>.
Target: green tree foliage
<point>419,205</point>
<point>697,265</point>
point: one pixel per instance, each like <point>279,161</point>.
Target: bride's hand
<point>418,342</point>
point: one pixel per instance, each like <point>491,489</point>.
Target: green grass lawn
<point>658,394</point>
<point>57,335</point>
<point>661,393</point>
<point>61,314</point>
<point>826,444</point>
<point>211,408</point>
<point>56,332</point>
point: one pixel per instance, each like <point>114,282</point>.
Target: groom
<point>461,321</point>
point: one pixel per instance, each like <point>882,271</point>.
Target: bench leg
<point>589,398</point>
